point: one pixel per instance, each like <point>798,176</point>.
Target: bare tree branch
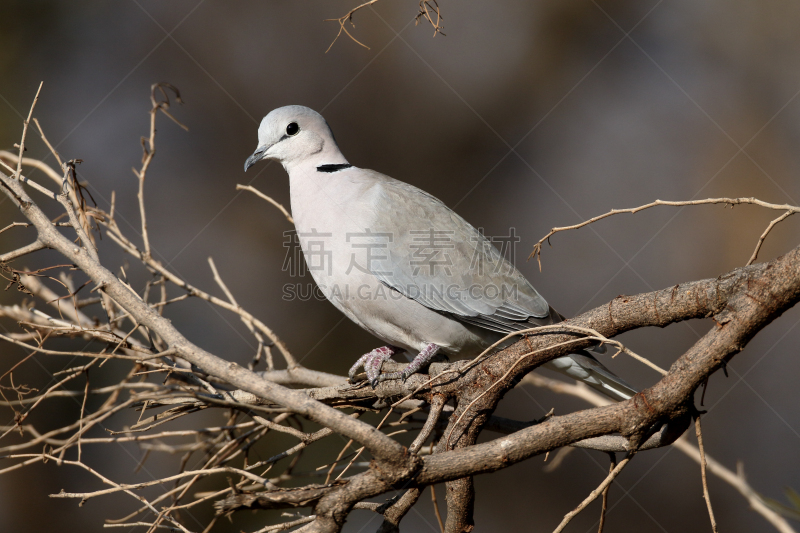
<point>451,404</point>
<point>790,210</point>
<point>735,479</point>
<point>21,144</point>
<point>263,196</point>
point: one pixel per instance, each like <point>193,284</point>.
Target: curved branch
<point>790,210</point>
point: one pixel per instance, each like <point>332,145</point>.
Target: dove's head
<point>294,134</point>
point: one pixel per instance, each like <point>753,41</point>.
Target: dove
<point>402,265</point>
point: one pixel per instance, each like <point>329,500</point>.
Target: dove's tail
<point>584,367</point>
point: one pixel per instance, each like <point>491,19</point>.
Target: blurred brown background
<point>606,105</point>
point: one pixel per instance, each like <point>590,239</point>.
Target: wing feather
<point>438,259</point>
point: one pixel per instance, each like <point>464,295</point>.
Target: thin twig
<point>642,360</point>
<point>15,225</point>
<point>18,173</point>
<point>361,450</point>
<point>141,524</point>
<point>735,479</point>
<point>50,146</point>
<point>772,224</point>
<point>348,18</point>
<point>595,493</point>
<point>83,410</point>
<point>322,433</point>
<point>287,525</point>
<point>32,458</point>
<point>425,8</point>
<point>205,472</point>
<point>790,209</point>
<point>336,462</point>
<point>260,194</point>
<point>246,321</point>
<point>436,504</point>
<point>603,509</point>
<point>128,246</point>
<point>703,465</point>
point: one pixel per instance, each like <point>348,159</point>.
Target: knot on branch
<point>403,469</point>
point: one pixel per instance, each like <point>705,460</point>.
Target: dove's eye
<point>292,128</point>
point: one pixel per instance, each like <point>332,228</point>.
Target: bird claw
<point>373,361</point>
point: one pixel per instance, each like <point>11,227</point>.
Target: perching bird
<point>400,263</point>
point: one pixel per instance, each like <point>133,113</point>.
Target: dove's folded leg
<point>418,362</point>
<point>373,361</point>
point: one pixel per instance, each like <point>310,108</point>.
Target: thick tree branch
<point>741,302</point>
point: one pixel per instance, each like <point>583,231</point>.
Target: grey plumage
<point>400,263</point>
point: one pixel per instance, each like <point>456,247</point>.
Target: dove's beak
<point>257,156</point>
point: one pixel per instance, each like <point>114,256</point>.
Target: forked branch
<point>789,210</point>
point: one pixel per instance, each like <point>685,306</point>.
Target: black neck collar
<point>333,168</point>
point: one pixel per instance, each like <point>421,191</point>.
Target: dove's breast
<point>336,217</point>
